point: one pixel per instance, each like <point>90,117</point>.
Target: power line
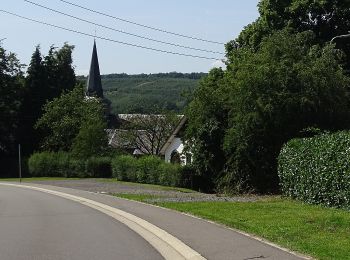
<point>120,31</point>
<point>108,39</point>
<point>141,25</point>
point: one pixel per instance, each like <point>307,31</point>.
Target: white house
<point>174,148</point>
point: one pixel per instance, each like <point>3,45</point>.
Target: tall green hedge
<point>61,164</point>
<point>147,169</point>
<point>317,170</point>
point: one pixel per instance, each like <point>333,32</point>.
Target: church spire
<point>94,85</point>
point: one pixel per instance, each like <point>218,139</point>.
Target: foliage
<point>317,170</point>
<point>91,139</point>
<point>47,77</point>
<point>265,98</point>
<point>326,18</point>
<point>98,167</point>
<point>65,116</point>
<point>207,117</point>
<point>11,94</point>
<point>62,164</point>
<point>147,169</point>
<point>124,168</point>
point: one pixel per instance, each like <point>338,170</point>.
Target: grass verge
<point>323,233</point>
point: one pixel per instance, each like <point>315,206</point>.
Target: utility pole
<point>19,163</point>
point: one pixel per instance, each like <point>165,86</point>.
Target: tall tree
<point>36,95</point>
<point>64,116</point>
<point>11,78</point>
<point>326,18</point>
<point>266,97</point>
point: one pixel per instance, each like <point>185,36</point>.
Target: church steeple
<point>94,85</point>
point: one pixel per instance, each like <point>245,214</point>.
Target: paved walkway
<point>212,241</point>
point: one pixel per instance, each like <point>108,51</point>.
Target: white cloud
<point>218,64</point>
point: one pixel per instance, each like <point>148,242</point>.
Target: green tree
<point>36,93</point>
<point>326,18</point>
<point>207,116</point>
<point>11,93</point>
<point>91,140</point>
<point>64,117</point>
<point>267,97</point>
<point>59,70</point>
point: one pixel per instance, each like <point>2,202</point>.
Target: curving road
<point>37,226</point>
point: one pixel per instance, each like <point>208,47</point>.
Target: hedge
<point>147,169</point>
<point>61,164</point>
<point>317,170</point>
<point>151,170</point>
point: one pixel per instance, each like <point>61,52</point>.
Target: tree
<point>64,117</point>
<point>326,18</point>
<point>147,132</point>
<point>11,87</point>
<point>273,94</point>
<point>36,93</point>
<point>91,139</point>
<point>207,117</point>
<point>59,70</point>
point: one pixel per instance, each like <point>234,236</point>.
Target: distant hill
<point>146,93</point>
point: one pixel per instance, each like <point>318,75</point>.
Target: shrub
<point>124,168</point>
<point>98,167</point>
<point>169,174</point>
<point>148,169</point>
<point>317,170</point>
<point>50,164</point>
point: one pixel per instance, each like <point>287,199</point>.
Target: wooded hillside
<point>145,93</point>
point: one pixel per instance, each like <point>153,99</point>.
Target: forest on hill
<point>149,93</point>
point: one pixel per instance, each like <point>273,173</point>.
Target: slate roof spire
<point>94,85</point>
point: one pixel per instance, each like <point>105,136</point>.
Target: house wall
<point>177,145</point>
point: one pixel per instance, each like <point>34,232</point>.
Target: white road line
<point>167,245</point>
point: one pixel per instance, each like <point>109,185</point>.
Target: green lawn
<point>323,233</point>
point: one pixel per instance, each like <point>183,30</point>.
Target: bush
<point>50,164</point>
<point>147,169</point>
<point>317,170</point>
<point>124,168</point>
<point>99,167</point>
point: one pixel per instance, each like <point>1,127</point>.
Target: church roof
<point>94,85</point>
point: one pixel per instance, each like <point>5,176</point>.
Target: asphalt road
<point>38,226</point>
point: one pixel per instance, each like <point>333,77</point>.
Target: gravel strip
<point>100,186</point>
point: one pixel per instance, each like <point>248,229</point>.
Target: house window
<point>175,157</point>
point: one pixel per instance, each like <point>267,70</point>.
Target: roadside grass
<point>151,186</point>
<point>38,179</point>
<point>323,233</point>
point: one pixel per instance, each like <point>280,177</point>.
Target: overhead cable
<point>120,31</point>
<point>141,25</point>
<point>108,39</point>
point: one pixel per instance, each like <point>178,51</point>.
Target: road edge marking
<point>166,244</point>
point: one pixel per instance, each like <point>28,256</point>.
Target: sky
<point>214,20</point>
